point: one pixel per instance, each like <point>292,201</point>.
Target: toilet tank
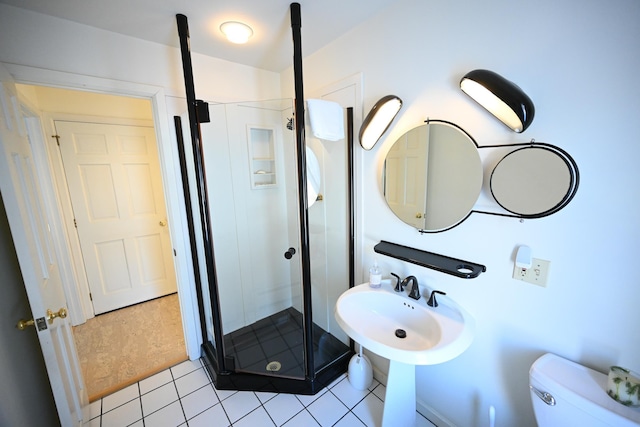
<point>576,396</point>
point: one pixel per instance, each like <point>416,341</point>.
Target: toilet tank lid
<point>579,386</point>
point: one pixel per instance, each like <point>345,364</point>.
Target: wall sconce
<point>502,98</point>
<point>378,120</point>
<point>236,32</point>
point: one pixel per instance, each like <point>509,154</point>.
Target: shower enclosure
<point>271,228</point>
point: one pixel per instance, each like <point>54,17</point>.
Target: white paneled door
<point>405,175</point>
<point>29,223</point>
<point>114,181</point>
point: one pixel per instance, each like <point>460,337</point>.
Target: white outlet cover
<point>537,274</point>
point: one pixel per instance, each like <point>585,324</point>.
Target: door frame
<point>169,164</point>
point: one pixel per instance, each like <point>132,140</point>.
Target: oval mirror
<point>432,176</point>
<point>534,181</point>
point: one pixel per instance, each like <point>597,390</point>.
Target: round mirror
<point>432,176</point>
<point>534,181</point>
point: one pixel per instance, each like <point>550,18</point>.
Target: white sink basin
<point>433,335</point>
<point>372,317</point>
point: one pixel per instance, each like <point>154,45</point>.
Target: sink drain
<point>401,333</point>
<point>273,366</point>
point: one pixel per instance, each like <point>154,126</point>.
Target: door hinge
<point>57,137</point>
<point>75,223</point>
<point>90,296</point>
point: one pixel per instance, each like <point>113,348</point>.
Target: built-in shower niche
<point>250,160</point>
<point>262,158</point>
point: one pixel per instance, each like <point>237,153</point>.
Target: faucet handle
<point>432,299</point>
<point>397,288</point>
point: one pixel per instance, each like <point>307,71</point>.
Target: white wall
<point>578,62</point>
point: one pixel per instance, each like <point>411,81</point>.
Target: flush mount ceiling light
<point>378,120</point>
<point>236,32</point>
<point>500,97</point>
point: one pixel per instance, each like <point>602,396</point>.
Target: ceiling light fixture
<point>236,32</point>
<point>500,97</point>
<point>378,120</point>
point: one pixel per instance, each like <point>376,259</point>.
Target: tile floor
<point>184,396</point>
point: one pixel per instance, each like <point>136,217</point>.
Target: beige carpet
<point>119,348</point>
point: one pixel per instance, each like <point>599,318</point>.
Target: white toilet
<point>567,394</point>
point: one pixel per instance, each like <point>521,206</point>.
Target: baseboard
<point>425,410</point>
<point>432,415</point>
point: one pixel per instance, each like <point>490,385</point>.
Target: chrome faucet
<point>414,290</point>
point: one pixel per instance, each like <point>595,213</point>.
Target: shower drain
<point>274,366</point>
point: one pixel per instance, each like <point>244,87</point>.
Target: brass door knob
<point>22,324</point>
<point>163,223</point>
<point>62,313</point>
<point>419,215</point>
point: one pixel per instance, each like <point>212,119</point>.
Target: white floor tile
<point>94,422</point>
<point>336,381</point>
<point>283,407</point>
<point>95,409</point>
<point>348,394</point>
<point>380,391</point>
<point>211,417</point>
<point>370,411</point>
<point>192,382</point>
<point>303,419</point>
<point>185,367</point>
<point>259,417</point>
<point>421,421</point>
<point>169,416</point>
<point>225,394</point>
<point>155,381</point>
<point>307,400</point>
<point>123,415</point>
<point>327,410</point>
<point>349,420</point>
<point>199,401</point>
<point>240,404</point>
<point>185,392</point>
<point>120,397</point>
<point>265,396</point>
<point>158,398</point>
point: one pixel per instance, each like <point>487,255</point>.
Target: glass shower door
<point>250,161</point>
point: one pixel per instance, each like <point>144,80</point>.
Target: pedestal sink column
<point>400,397</point>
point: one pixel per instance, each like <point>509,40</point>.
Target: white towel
<point>326,119</point>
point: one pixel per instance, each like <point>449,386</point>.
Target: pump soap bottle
<point>375,276</point>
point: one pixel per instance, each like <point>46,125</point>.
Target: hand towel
<point>326,119</point>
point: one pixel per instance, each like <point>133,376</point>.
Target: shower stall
<point>271,229</point>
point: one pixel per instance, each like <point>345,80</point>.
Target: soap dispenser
<point>375,277</point>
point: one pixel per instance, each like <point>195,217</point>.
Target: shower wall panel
<point>250,225</point>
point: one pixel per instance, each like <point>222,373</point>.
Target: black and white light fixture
<point>378,120</point>
<point>500,97</point>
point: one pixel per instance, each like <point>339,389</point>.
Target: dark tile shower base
<point>274,346</point>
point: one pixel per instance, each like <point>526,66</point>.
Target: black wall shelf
<point>444,264</point>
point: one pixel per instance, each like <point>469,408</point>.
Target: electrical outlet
<point>536,274</point>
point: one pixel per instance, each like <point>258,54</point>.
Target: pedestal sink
<point>407,332</point>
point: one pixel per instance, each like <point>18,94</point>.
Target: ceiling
<point>270,48</point>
